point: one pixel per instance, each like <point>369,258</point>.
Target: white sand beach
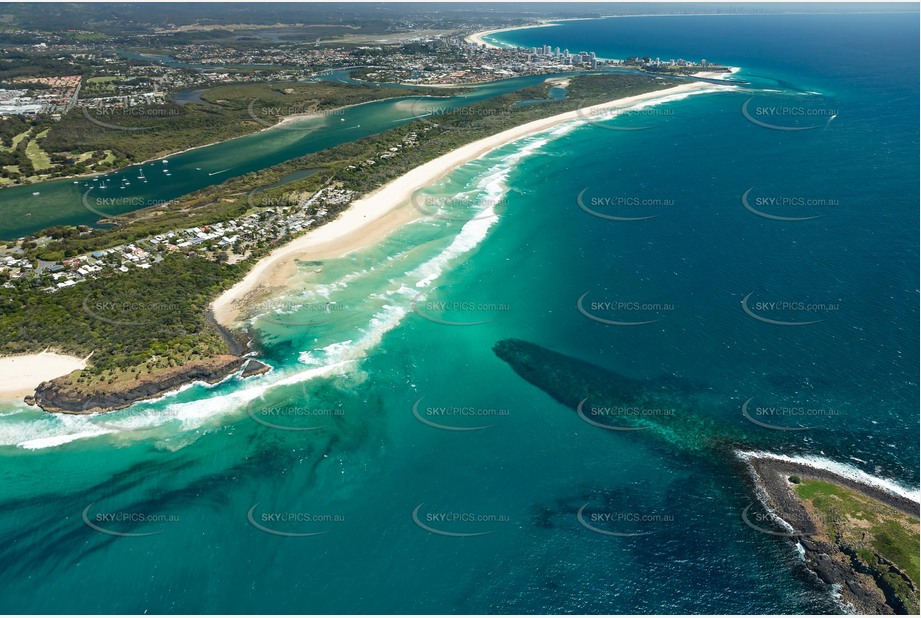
<point>375,216</point>
<point>19,375</point>
<point>477,37</point>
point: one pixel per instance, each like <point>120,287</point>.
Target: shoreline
<point>824,547</point>
<point>282,120</point>
<point>335,111</point>
<point>763,466</point>
<point>376,215</point>
<point>477,37</point>
<point>21,374</point>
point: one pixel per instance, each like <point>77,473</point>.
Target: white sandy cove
<point>477,37</point>
<point>373,217</point>
<point>19,375</point>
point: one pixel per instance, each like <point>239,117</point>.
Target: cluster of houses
<point>123,101</point>
<point>233,239</point>
<point>411,140</point>
<point>453,61</point>
<point>216,55</point>
<point>44,95</point>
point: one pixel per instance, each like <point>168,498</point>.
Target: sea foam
<point>841,469</point>
<point>337,357</point>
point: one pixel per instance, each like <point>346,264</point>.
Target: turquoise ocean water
<point>328,485</point>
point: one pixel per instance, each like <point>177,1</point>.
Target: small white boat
<point>36,193</point>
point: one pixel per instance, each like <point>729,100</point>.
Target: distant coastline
<point>477,37</point>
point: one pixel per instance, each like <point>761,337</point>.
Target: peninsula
<point>857,535</point>
<point>861,537</point>
<point>150,329</point>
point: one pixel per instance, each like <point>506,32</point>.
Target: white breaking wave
<point>40,443</point>
<point>48,431</point>
<point>841,469</point>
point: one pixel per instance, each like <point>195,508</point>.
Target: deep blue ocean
<point>718,255</point>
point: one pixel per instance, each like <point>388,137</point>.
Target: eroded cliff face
<point>67,396</point>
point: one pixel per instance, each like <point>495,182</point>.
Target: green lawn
<point>16,140</point>
<point>39,158</point>
<point>871,528</point>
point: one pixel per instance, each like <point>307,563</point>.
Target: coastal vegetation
<point>863,539</point>
<point>436,137</point>
<point>147,319</point>
<point>96,140</point>
<point>125,346</point>
<point>881,540</point>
